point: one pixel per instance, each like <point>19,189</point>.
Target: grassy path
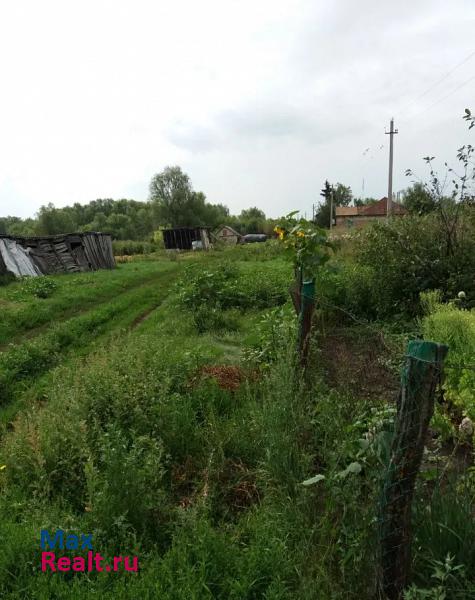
<point>22,365</point>
<point>23,315</point>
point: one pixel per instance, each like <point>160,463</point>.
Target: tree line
<point>174,203</point>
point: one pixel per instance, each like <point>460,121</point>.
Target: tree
<point>52,221</point>
<point>322,216</point>
<point>451,205</point>
<point>215,215</point>
<point>175,203</point>
<point>364,201</point>
<point>171,195</point>
<point>342,196</point>
<point>250,220</point>
<point>418,200</point>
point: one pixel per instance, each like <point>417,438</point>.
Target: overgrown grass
<point>23,309</point>
<point>203,483</point>
<point>135,445</point>
<point>22,363</point>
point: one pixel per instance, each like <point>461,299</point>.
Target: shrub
<point>131,247</point>
<point>350,288</point>
<point>409,255</point>
<point>208,292</point>
<point>41,287</point>
<point>448,324</point>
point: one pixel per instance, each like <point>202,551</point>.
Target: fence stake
<point>295,290</point>
<point>419,380</point>
<point>307,306</point>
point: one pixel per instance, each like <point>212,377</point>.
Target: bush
<point>350,288</point>
<point>131,247</point>
<point>409,255</point>
<point>41,287</point>
<point>448,324</point>
<point>208,292</point>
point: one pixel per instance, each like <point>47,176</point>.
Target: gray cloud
<point>289,92</point>
<point>268,123</point>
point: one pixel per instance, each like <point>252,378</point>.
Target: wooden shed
<point>44,255</point>
<point>182,238</point>
<point>227,234</point>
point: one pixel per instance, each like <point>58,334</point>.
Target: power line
<point>452,92</point>
<point>443,97</point>
<point>434,85</point>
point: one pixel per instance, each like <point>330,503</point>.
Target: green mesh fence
<point>419,380</point>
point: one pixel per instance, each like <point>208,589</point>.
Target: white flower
<point>466,427</point>
<point>461,295</point>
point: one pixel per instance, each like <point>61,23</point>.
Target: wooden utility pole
<point>331,207</point>
<point>391,133</point>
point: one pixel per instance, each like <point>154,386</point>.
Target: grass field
<point>158,408</point>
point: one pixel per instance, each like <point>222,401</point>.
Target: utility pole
<point>331,208</point>
<point>391,133</point>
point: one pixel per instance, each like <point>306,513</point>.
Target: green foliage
<point>23,311</point>
<point>23,362</point>
<point>124,219</point>
<point>338,195</point>
<point>174,203</point>
<point>134,444</point>
<point>131,247</point>
<point>272,330</point>
<point>207,292</point>
<point>250,220</point>
<point>347,287</point>
<point>263,251</point>
<point>418,200</point>
<point>445,576</point>
<point>128,450</point>
<point>444,557</point>
<point>448,324</point>
<point>41,287</point>
<point>306,245</point>
<point>408,255</point>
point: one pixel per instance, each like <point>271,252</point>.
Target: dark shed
<point>181,238</point>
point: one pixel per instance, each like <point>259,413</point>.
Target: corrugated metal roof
<point>17,259</point>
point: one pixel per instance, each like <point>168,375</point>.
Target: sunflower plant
<point>305,244</point>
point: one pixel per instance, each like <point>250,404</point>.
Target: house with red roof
<point>358,216</point>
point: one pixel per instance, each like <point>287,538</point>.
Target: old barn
<point>45,255</point>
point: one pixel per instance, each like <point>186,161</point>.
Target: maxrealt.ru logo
<point>92,561</point>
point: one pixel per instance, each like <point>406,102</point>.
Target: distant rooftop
<point>378,209</point>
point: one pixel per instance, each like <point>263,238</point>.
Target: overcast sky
<point>259,101</point>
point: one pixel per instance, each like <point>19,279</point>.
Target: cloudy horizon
<point>259,102</point>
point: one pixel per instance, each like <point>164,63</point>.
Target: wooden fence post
<point>307,306</point>
<point>419,380</point>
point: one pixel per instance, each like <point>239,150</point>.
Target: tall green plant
<point>306,245</point>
